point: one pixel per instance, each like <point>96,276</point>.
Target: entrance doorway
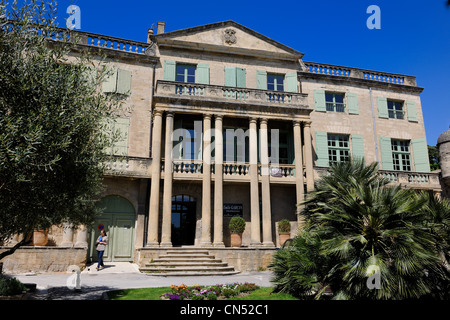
<point>183,220</point>
<point>118,220</point>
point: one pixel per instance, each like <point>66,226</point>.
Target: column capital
<point>170,113</point>
<point>297,122</point>
<point>307,123</point>
<point>207,116</point>
<point>158,112</point>
<point>263,121</point>
<point>218,117</point>
<point>253,120</point>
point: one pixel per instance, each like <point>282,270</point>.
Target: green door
<point>118,220</point>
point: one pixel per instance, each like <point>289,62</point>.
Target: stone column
<point>254,184</point>
<point>152,236</point>
<point>298,163</point>
<point>67,240</point>
<point>166,239</point>
<point>206,191</point>
<point>265,179</point>
<point>218,183</point>
<point>309,157</point>
<point>82,237</point>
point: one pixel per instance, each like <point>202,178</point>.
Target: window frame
<point>186,72</point>
<point>276,78</point>
<point>333,106</point>
<point>401,156</point>
<point>342,153</point>
<point>394,113</point>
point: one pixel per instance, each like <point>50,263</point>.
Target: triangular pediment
<point>227,36</point>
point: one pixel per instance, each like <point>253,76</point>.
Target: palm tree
<point>361,224</point>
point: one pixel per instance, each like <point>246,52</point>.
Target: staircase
<point>187,262</point>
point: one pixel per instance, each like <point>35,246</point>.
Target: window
<point>236,145</point>
<point>334,102</point>
<point>401,155</point>
<point>280,154</point>
<point>338,148</point>
<point>395,109</point>
<point>275,82</point>
<point>185,73</point>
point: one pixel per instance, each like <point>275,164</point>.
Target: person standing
<point>102,241</point>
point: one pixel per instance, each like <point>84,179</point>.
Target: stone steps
<point>187,262</point>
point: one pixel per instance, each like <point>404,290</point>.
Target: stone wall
<point>43,259</point>
<point>242,259</point>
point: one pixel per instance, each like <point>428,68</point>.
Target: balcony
<point>237,172</point>
<point>182,93</point>
<point>133,167</point>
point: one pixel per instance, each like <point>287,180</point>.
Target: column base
<point>166,245</point>
<point>268,244</point>
<point>218,245</point>
<point>67,244</point>
<point>206,244</point>
<point>152,244</point>
<point>255,244</point>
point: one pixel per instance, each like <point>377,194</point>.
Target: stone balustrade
<point>334,70</point>
<point>413,180</point>
<point>129,167</point>
<point>195,91</point>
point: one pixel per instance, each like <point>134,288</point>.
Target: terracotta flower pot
<point>236,239</point>
<point>40,237</point>
<point>283,237</point>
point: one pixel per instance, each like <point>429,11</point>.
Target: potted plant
<point>40,237</point>
<point>237,227</point>
<point>284,230</point>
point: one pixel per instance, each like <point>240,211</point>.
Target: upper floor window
<point>334,102</point>
<point>275,82</point>
<point>338,148</point>
<point>185,73</point>
<point>395,109</point>
<point>401,155</point>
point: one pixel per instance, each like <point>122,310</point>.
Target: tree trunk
<point>13,249</point>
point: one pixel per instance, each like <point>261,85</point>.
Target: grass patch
<point>263,293</point>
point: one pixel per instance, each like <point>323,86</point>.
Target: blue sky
<point>414,38</point>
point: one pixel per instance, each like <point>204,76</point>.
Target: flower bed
<point>215,292</point>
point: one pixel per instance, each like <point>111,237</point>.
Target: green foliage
<point>11,286</point>
<point>284,226</point>
<point>433,156</point>
<point>237,224</point>
<point>354,222</point>
<point>51,132</point>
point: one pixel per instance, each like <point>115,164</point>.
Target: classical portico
<point>211,168</point>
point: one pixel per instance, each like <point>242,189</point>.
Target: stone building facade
<point>219,120</point>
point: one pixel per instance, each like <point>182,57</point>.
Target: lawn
<point>262,293</point>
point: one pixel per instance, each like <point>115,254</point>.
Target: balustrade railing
<point>333,70</point>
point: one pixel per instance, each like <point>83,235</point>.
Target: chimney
<point>161,26</point>
<point>149,34</point>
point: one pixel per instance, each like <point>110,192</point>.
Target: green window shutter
<point>322,149</point>
<point>109,84</point>
<point>357,146</point>
<point>412,111</point>
<point>420,150</point>
<point>291,82</point>
<point>382,107</point>
<point>169,70</point>
<point>240,78</point>
<point>386,154</point>
<point>230,76</point>
<point>352,101</point>
<point>319,100</point>
<point>107,127</point>
<point>123,81</point>
<point>203,73</point>
<point>121,125</point>
<point>261,80</point>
